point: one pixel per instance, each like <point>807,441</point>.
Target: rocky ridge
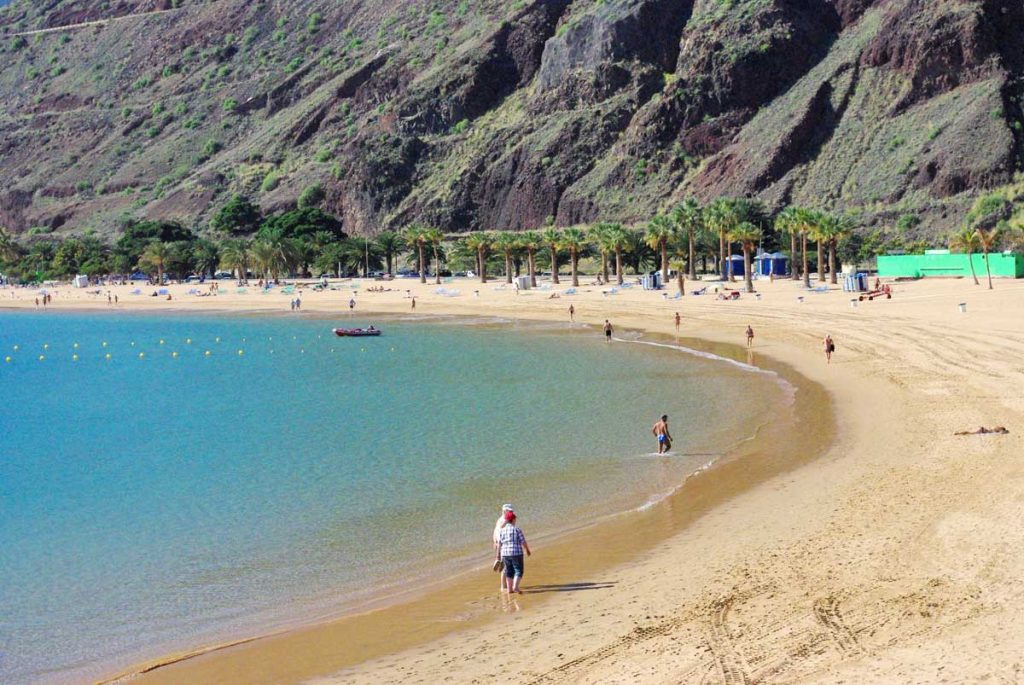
<point>495,115</point>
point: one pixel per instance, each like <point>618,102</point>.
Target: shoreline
<point>901,531</point>
<point>700,490</point>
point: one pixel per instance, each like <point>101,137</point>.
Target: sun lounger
<point>702,291</point>
<point>570,291</point>
<point>677,296</point>
<point>820,289</point>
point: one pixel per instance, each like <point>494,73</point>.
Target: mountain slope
<point>489,114</point>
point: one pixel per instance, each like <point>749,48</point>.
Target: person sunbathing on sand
<point>998,430</point>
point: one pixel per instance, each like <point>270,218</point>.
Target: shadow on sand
<point>568,587</point>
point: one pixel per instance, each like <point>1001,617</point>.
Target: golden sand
<point>893,557</point>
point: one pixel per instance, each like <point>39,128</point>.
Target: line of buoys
<point>46,346</point>
<point>174,354</point>
<point>104,344</point>
<point>74,357</point>
<point>188,341</point>
<point>75,346</point>
<point>7,359</point>
<point>142,355</point>
<point>161,341</point>
<point>16,348</point>
<point>207,353</point>
<point>42,357</point>
<point>108,357</point>
<point>241,352</point>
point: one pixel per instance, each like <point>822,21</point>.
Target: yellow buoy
<point>188,341</point>
<point>104,343</point>
<point>15,348</point>
<point>207,353</point>
<point>142,355</point>
<point>42,357</point>
<point>74,357</point>
<point>161,341</point>
<point>46,346</point>
<point>174,354</point>
<point>216,340</point>
<point>75,346</point>
<point>108,355</point>
<point>363,349</point>
<point>133,343</point>
<point>7,359</point>
<point>240,353</point>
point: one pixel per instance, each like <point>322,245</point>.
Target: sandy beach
<point>884,554</point>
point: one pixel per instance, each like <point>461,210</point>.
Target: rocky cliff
<point>488,114</point>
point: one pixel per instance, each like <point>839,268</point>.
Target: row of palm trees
<point>673,235</point>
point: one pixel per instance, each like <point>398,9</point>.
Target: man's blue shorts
<point>513,566</point>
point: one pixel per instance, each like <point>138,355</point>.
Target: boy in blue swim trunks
<point>660,431</point>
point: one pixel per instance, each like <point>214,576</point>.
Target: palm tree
<point>598,234</point>
<point>530,241</point>
<point>574,240</point>
<point>689,217</point>
<point>833,228</point>
<point>390,243</point>
<point>747,235</point>
<point>507,244</point>
<point>788,221</point>
<point>480,243</point>
<point>640,255</point>
<point>264,257</point>
<point>415,235</point>
<point>966,240</point>
<point>818,232</point>
<point>806,223</point>
<point>721,217</point>
<point>617,238</point>
<point>235,255</point>
<point>156,255</point>
<point>553,238</point>
<point>679,265</point>
<point>987,238</point>
<point>660,230</point>
<point>435,237</point>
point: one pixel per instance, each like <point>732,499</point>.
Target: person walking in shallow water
<point>513,544</point>
<point>750,336</point>
<point>660,431</point>
<point>829,346</point>
<point>496,540</point>
<point>572,313</point>
<point>607,331</point>
<point>678,321</point>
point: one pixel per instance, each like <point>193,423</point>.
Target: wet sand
<point>891,558</point>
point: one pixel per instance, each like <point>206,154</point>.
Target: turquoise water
<point>158,503</point>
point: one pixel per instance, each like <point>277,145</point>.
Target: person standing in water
<point>660,431</point>
<point>830,347</point>
<point>513,544</point>
<point>750,335</point>
<point>572,313</point>
<point>608,331</point>
<point>351,304</point>
<point>496,541</point>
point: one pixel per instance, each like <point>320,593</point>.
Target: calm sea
<point>218,476</point>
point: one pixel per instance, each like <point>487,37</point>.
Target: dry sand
<point>893,557</point>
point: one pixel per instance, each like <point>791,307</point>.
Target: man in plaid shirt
<point>513,543</point>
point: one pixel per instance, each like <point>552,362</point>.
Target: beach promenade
<point>892,556</point>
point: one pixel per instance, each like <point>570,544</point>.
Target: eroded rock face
<point>495,115</point>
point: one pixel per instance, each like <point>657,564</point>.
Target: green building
<point>943,263</point>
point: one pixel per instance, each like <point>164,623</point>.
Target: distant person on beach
<point>830,347</point>
<point>512,545</point>
<point>572,313</point>
<point>115,299</point>
<point>496,541</point>
<point>608,330</point>
<point>414,303</point>
<point>660,431</point>
<point>352,304</point>
<point>678,321</point>
<point>750,335</point>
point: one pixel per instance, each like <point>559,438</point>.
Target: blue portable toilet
<point>774,263</point>
<point>735,264</point>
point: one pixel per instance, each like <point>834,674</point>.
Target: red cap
<point>510,516</point>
